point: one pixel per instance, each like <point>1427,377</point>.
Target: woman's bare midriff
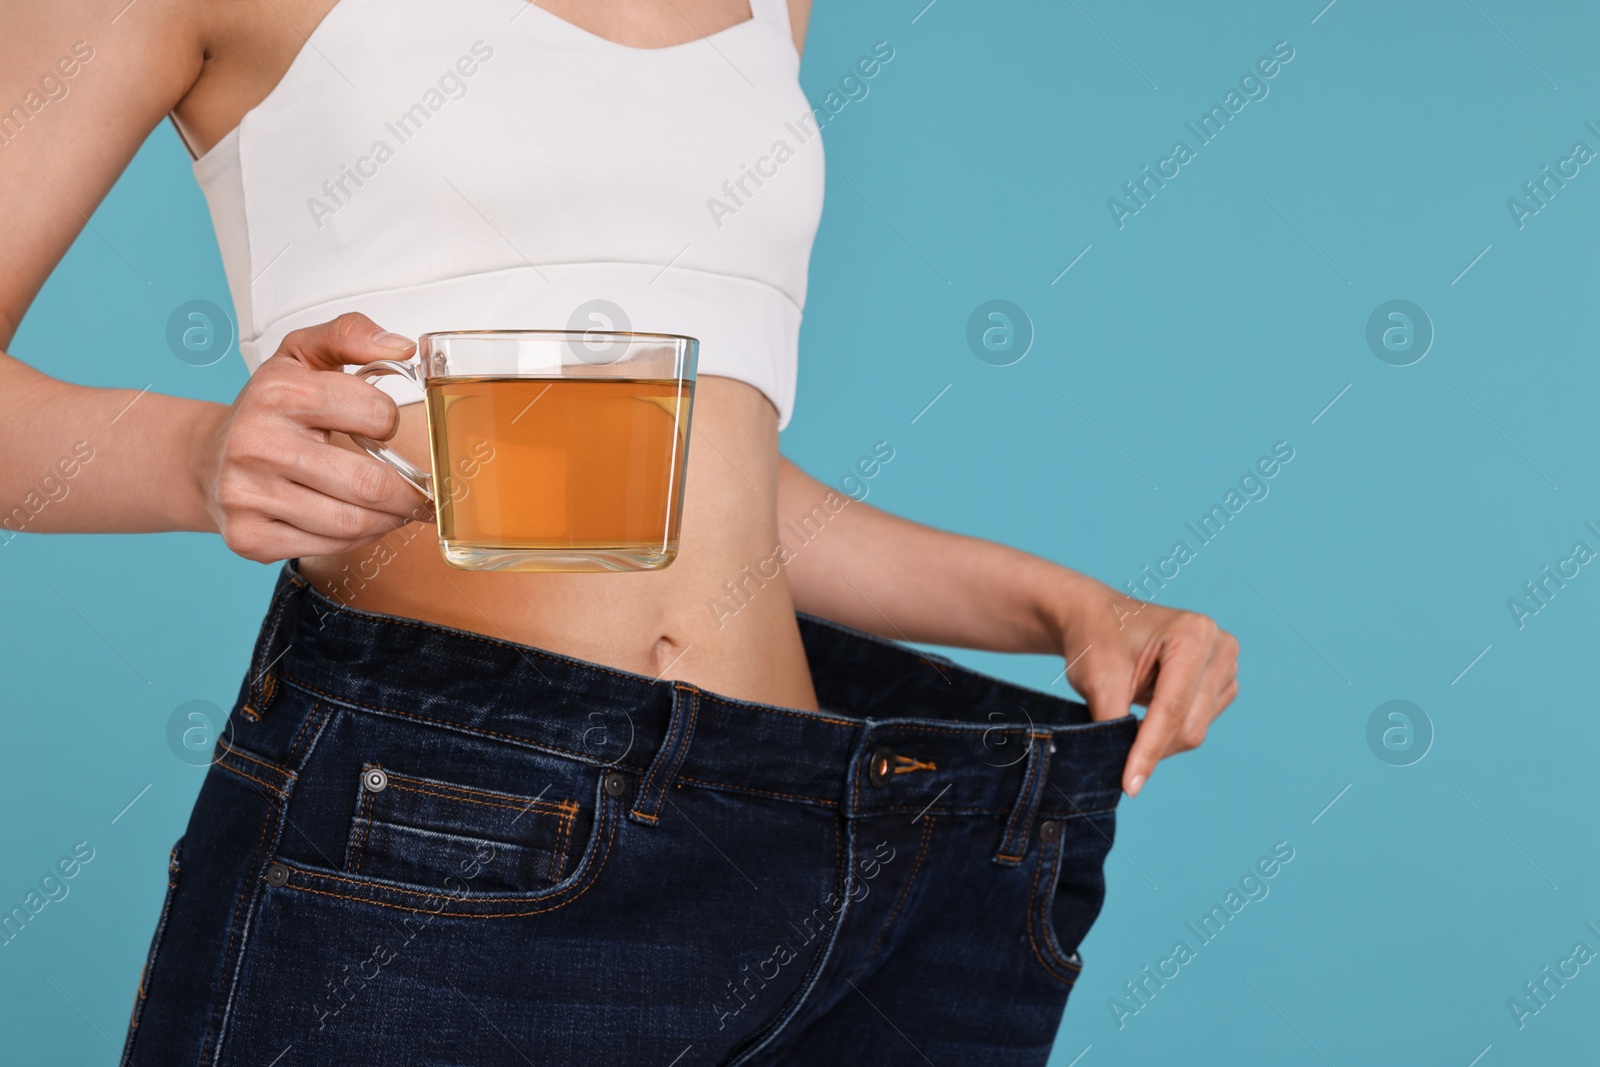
<point>657,623</point>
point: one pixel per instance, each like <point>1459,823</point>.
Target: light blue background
<point>1207,329</point>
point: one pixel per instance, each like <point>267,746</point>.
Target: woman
<point>540,818</point>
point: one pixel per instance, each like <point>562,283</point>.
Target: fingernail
<point>392,340</point>
<point>1136,785</point>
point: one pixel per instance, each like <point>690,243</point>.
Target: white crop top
<point>484,164</point>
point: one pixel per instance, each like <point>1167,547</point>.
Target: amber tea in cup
<point>552,450</point>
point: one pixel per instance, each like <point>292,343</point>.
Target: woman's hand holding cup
<point>276,484</point>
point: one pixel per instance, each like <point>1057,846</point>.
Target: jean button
<point>375,780</point>
<point>1049,831</point>
<point>277,874</point>
<point>615,784</point>
<point>881,768</point>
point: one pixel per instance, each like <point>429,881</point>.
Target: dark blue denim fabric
<point>419,846</point>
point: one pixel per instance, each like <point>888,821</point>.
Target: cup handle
<point>419,479</point>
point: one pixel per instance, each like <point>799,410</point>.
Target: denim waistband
<point>899,731</point>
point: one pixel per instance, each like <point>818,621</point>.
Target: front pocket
<point>433,834</point>
<point>460,893</point>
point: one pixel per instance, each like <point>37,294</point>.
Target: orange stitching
<point>1034,906</point>
<point>905,893</point>
<point>560,867</point>
<point>278,608</point>
<point>1051,944</point>
<point>593,876</point>
<point>838,862</point>
<point>549,804</point>
<point>396,776</point>
<point>667,746</point>
<point>365,804</point>
<point>269,689</point>
<point>906,764</point>
<point>156,940</point>
<point>683,747</point>
<point>1018,825</point>
<point>751,789</point>
<point>253,778</point>
<point>559,858</point>
<point>564,810</point>
<point>266,692</point>
<point>809,716</point>
<point>358,848</point>
<point>245,755</point>
<point>294,746</point>
<point>750,705</point>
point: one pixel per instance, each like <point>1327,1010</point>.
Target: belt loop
<point>664,768</point>
<point>262,685</point>
<point>1014,843</point>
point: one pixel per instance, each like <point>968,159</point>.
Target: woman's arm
<point>85,460</point>
<point>79,94</point>
<point>799,20</point>
<point>81,86</point>
<point>899,579</point>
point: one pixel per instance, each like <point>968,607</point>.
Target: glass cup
<point>553,450</point>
